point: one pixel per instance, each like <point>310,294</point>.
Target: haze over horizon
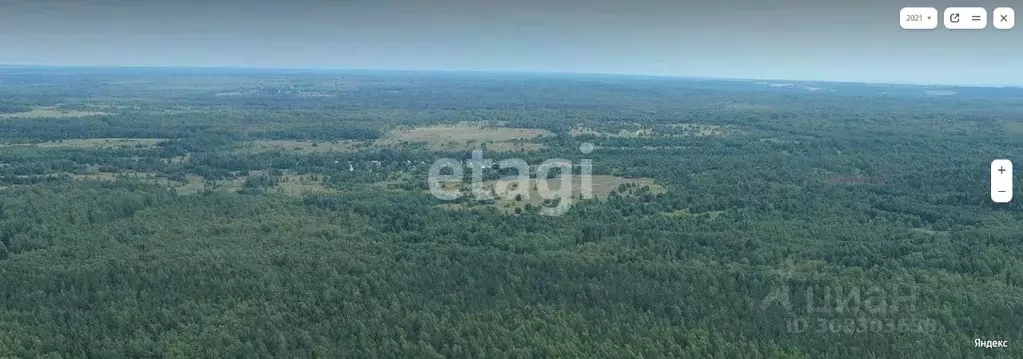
<point>796,40</point>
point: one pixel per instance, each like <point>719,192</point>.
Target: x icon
<point>1005,18</point>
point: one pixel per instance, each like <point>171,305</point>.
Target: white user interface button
<point>1001,181</point>
<point>918,18</point>
<point>1004,18</point>
<point>965,18</point>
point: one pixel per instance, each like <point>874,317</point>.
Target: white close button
<point>1001,181</point>
<point>1004,18</point>
<point>918,18</point>
<point>965,18</point>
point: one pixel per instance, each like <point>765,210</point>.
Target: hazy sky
<point>851,40</point>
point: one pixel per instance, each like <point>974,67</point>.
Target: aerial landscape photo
<point>613,179</point>
<point>245,213</point>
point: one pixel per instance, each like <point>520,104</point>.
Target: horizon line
<point>494,71</point>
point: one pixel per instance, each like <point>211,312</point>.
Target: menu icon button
<point>965,18</point>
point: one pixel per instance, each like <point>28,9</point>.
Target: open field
<point>192,184</point>
<point>50,112</point>
<point>1013,127</point>
<point>582,131</point>
<point>467,135</point>
<point>510,194</point>
<point>515,146</point>
<point>288,183</point>
<point>102,143</point>
<point>448,137</point>
<point>108,176</point>
<point>299,185</point>
<point>303,146</point>
<point>699,129</point>
<point>669,130</point>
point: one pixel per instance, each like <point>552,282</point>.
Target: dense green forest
<point>239,213</point>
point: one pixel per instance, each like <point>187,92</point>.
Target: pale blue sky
<point>793,39</point>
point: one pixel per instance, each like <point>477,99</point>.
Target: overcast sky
<point>794,39</point>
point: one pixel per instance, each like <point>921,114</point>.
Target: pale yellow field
<point>467,136</point>
<point>466,132</point>
<point>299,185</point>
<point>462,136</point>
<point>513,146</point>
<point>194,184</point>
<point>50,112</point>
<point>1010,126</point>
<point>106,176</point>
<point>699,129</point>
<point>291,184</point>
<point>674,130</point>
<point>580,131</point>
<point>504,198</point>
<point>102,143</point>
<point>303,146</point>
